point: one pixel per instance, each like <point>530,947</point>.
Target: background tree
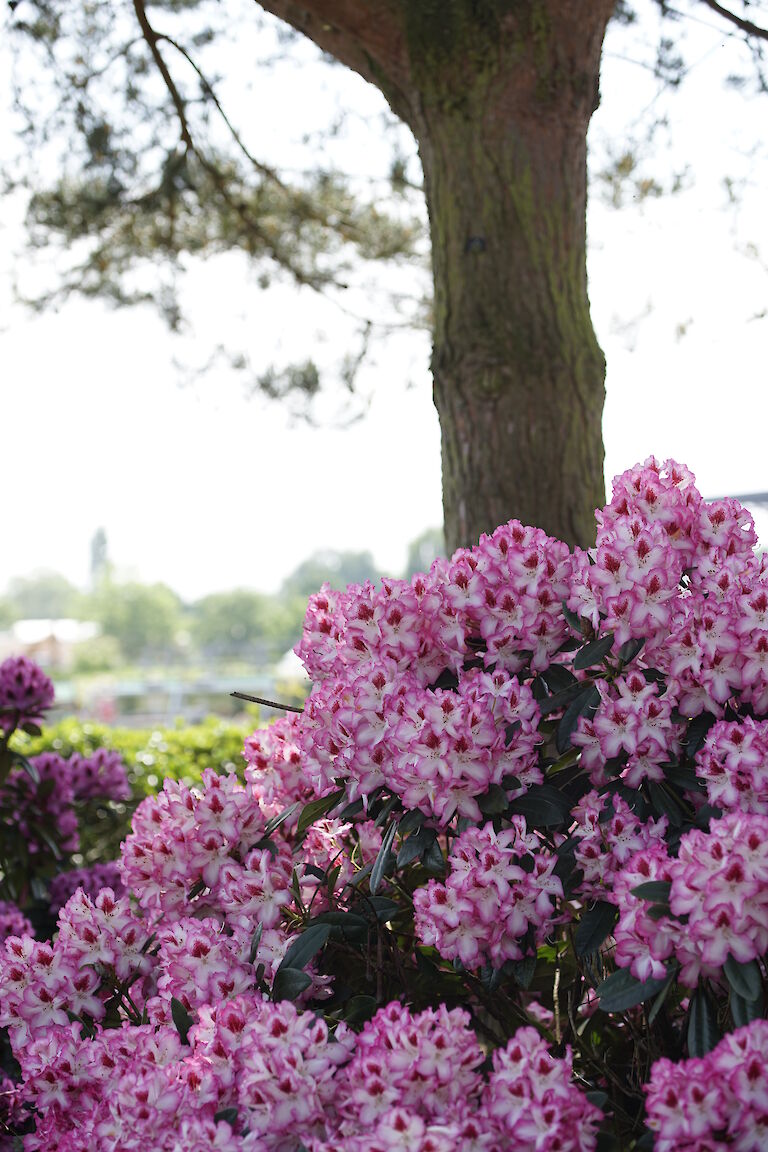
<point>498,95</point>
<point>44,596</point>
<point>144,619</point>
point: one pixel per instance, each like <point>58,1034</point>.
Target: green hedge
<point>150,755</point>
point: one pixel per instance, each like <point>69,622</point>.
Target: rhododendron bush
<point>502,885</point>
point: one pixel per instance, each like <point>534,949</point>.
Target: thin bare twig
<point>266,703</point>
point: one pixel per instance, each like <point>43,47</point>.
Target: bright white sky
<point>204,489</point>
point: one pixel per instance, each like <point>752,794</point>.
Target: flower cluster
<point>716,1102</point>
<point>718,901</point>
<point>632,730</point>
<point>607,835</point>
<point>91,879</point>
<point>25,693</point>
<point>13,922</point>
<point>184,838</point>
<point>502,597</point>
<point>498,902</point>
<point>733,763</point>
<point>438,749</point>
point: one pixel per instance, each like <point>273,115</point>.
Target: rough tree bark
<point>498,94</point>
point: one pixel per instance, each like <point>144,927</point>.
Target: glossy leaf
<point>382,860</point>
<point>289,983</point>
<point>594,928</point>
<point>308,945</point>
<point>593,653</point>
<point>318,808</point>
<point>744,978</point>
<point>621,991</point>
<point>703,1034</point>
<point>181,1019</point>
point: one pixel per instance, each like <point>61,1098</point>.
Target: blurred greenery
<point>150,756</point>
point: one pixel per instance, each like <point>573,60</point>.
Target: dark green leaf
<point>584,704</point>
<point>345,926</point>
<point>433,859</point>
<point>267,845</point>
<point>659,1001</point>
<point>594,927</point>
<point>382,907</point>
<point>598,1098</point>
<point>629,650</point>
<point>575,621</point>
<point>684,778</point>
<point>410,822</point>
<point>229,1115</point>
<point>358,1009</point>
<point>414,847</point>
<point>276,821</point>
<point>354,808</point>
<point>745,1011</point>
<point>697,731</point>
<point>386,811</point>
<point>621,991</point>
<point>196,889</point>
<point>561,699</point>
<point>308,945</point>
<point>557,677</point>
<point>703,1034</point>
<point>255,941</point>
<point>593,652</point>
<point>289,983</point>
<point>744,978</point>
<point>318,808</point>
<point>542,805</point>
<point>665,804</point>
<point>493,801</point>
<point>657,891</point>
<point>382,860</point>
<point>181,1019</point>
<point>28,767</point>
<point>523,970</point>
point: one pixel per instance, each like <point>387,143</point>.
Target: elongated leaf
<point>542,805</point>
<point>181,1019</point>
<point>557,677</point>
<point>227,1114</point>
<point>593,652</point>
<point>684,778</point>
<point>523,970</point>
<point>584,704</point>
<point>281,817</point>
<point>317,808</point>
<point>415,846</point>
<point>621,991</point>
<point>433,859</point>
<point>629,650</point>
<point>308,945</point>
<point>595,926</point>
<point>703,1034</point>
<point>386,811</point>
<point>697,731</point>
<point>359,1008</point>
<point>575,621</point>
<point>255,941</point>
<point>382,907</point>
<point>664,804</point>
<point>493,801</point>
<point>410,822</point>
<point>657,891</point>
<point>745,1011</point>
<point>561,699</point>
<point>659,1001</point>
<point>289,983</point>
<point>744,979</point>
<point>382,860</point>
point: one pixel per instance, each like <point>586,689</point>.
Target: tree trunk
<point>518,373</point>
<point>499,94</point>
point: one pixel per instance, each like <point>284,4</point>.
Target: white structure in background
<point>52,643</point>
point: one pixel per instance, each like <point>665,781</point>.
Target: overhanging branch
<point>739,21</point>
